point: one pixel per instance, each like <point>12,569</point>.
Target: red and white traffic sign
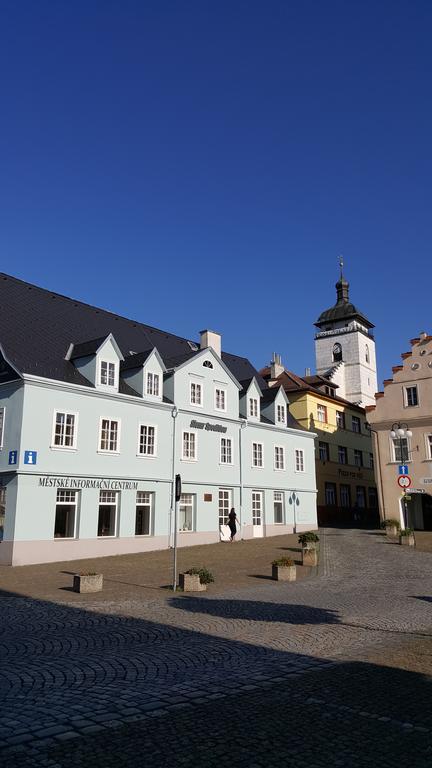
<point>404,481</point>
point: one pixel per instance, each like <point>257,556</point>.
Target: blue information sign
<point>403,469</point>
<point>13,457</point>
<point>30,457</point>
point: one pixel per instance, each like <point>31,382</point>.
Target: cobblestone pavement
<point>334,670</point>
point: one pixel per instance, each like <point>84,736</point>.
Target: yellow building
<point>343,450</point>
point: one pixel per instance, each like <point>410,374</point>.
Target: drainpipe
<point>243,424</point>
<point>174,414</point>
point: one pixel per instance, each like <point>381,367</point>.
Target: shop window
<point>107,520</point>
<point>186,512</point>
<point>143,513</point>
<point>278,507</point>
<point>65,514</point>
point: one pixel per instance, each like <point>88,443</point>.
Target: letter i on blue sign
<point>30,457</point>
<point>13,455</point>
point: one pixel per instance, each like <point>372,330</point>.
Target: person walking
<point>232,522</point>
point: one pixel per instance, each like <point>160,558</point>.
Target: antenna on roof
<point>341,264</point>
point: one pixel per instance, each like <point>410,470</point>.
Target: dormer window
<point>253,407</point>
<point>107,374</point>
<point>280,414</point>
<point>153,384</point>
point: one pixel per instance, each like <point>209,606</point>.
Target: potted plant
<point>391,526</point>
<point>309,543</point>
<point>284,569</point>
<point>195,580</point>
<point>406,537</point>
<point>88,582</point>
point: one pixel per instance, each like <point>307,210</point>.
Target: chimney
<point>307,371</point>
<point>422,334</point>
<point>276,367</point>
<point>211,339</point>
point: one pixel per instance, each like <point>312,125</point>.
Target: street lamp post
<point>401,432</point>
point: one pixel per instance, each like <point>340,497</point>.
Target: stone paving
<point>304,668</point>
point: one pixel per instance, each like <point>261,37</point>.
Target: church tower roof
<point>343,309</point>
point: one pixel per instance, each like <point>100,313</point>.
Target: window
<point>257,455</point>
<point>329,391</point>
<point>195,393</point>
<point>2,510</point>
<point>153,384</point>
<point>429,446</point>
<point>147,440</point>
<point>186,512</point>
<point>330,494</point>
<point>64,430</point>
<point>299,460</point>
<point>279,458</point>
<point>345,495</point>
<point>360,497</point>
<point>342,454</point>
<point>278,507</point>
<point>225,496</point>
<point>337,353</point>
<point>109,436</point>
<point>256,507</point>
<point>411,396</point>
<point>2,423</point>
<point>65,514</point>
<point>253,407</point>
<point>226,450</point>
<point>367,357</point>
<point>322,413</point>
<point>281,418</point>
<point>324,451</point>
<point>340,419</point>
<point>143,513</point>
<point>356,426</point>
<point>107,374</point>
<point>371,461</point>
<point>189,446</point>
<point>358,458</point>
<point>372,498</point>
<point>107,513</point>
<point>220,399</point>
<point>400,450</point>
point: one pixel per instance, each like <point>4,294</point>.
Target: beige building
<point>404,408</point>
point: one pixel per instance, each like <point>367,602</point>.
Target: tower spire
<point>342,285</point>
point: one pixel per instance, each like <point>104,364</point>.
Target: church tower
<point>345,348</point>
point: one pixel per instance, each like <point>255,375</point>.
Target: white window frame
<point>223,391</point>
<point>153,374</point>
<point>151,505</point>
<point>428,443</point>
<point>53,445</point>
<point>195,434</point>
<point>278,454</point>
<point>225,503</point>
<point>279,501</point>
<point>256,455</point>
<point>193,402</point>
<point>322,410</point>
<point>108,364</point>
<point>405,395</point>
<point>144,454</point>
<point>221,460</point>
<point>280,409</point>
<point>2,428</point>
<point>67,504</point>
<point>253,408</point>
<point>395,441</point>
<point>257,507</point>
<point>116,495</point>
<point>107,450</point>
<point>193,505</point>
<point>299,457</point>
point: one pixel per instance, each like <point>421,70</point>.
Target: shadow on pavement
<point>252,610</point>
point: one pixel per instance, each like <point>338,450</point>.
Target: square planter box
<point>309,556</point>
<point>407,541</point>
<point>190,582</point>
<point>284,572</point>
<point>88,582</point>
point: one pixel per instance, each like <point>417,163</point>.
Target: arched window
<point>367,354</point>
<point>337,353</point>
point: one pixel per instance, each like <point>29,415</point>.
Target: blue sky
<point>203,164</point>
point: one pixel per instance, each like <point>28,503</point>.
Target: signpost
<point>177,499</point>
<point>404,481</point>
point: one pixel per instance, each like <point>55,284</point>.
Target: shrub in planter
<point>391,526</point>
<point>309,542</point>
<point>87,582</point>
<point>406,537</point>
<point>195,580</point>
<point>284,569</point>
<point>308,538</point>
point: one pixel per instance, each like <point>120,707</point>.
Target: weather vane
<point>341,264</point>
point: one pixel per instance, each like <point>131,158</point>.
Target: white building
<point>98,413</point>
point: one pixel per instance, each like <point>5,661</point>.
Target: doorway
<point>257,514</point>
